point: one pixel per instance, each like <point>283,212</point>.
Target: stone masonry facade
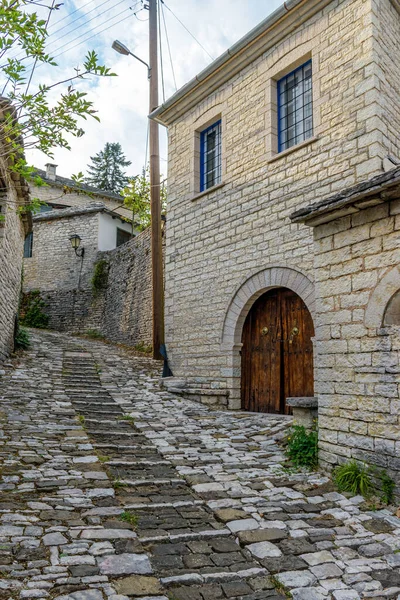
<point>357,359</point>
<point>229,245</point>
<point>13,227</point>
<point>121,309</point>
<point>220,240</point>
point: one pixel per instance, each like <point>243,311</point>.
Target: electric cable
<point>90,37</point>
<point>161,51</point>
<point>189,32</point>
<point>71,13</point>
<point>168,45</point>
<point>86,23</point>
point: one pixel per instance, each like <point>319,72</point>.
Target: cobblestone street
<point>111,487</point>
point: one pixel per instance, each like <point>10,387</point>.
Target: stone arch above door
<point>253,288</point>
<point>378,302</point>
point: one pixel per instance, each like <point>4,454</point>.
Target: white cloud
<point>122,102</point>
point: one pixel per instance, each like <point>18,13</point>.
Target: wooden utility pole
<point>156,235</point>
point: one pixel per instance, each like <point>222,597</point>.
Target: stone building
<point>121,308</point>
<point>357,290</point>
<point>306,105</point>
<point>13,228</point>
<point>62,192</point>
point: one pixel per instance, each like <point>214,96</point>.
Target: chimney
<point>51,171</point>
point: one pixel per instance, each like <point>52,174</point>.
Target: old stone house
<point>119,306</point>
<point>259,307</point>
<point>14,194</point>
<point>61,192</point>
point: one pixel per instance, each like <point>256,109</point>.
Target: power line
<point>80,17</point>
<point>90,37</point>
<point>169,47</point>
<point>20,57</point>
<point>161,53</point>
<point>99,25</point>
<point>189,32</point>
<point>34,64</point>
<point>73,12</point>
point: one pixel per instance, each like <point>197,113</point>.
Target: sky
<point>122,101</point>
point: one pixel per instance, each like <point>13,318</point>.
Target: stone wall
<point>121,311</point>
<point>53,264</point>
<point>218,240</point>
<point>127,299</point>
<point>11,249</point>
<point>13,227</point>
<point>357,352</point>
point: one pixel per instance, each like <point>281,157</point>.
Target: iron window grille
<point>210,156</point>
<point>28,245</point>
<point>122,236</point>
<point>295,107</point>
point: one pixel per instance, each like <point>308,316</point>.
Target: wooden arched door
<point>277,352</point>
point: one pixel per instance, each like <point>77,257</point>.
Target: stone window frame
<point>282,67</point>
<point>207,119</point>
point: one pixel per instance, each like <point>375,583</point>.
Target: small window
<point>122,236</point>
<point>28,245</point>
<point>210,156</point>
<point>295,107</point>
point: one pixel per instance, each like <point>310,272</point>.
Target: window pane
<point>295,107</point>
<point>210,143</point>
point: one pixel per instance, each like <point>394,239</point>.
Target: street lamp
<point>75,243</point>
<point>122,49</point>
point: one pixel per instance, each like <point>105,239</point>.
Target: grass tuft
<point>129,517</point>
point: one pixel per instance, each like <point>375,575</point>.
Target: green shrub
<point>22,340</point>
<point>142,347</point>
<point>302,446</point>
<point>94,334</point>
<point>388,487</point>
<point>31,311</point>
<point>100,276</point>
<point>354,478</point>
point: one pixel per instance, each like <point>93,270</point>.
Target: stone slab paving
<point>113,488</point>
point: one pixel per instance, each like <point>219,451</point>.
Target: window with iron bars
<point>210,156</point>
<point>295,107</point>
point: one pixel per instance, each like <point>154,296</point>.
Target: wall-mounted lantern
<point>75,243</point>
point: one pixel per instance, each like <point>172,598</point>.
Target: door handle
<point>293,333</point>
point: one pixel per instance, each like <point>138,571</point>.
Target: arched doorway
<point>277,352</point>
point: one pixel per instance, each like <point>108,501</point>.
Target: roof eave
<point>365,195</point>
<point>237,57</point>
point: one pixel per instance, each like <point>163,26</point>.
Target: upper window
<point>210,156</point>
<point>28,244</point>
<point>295,107</point>
<point>122,236</point>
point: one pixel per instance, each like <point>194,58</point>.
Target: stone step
<point>220,577</point>
<point>186,536</point>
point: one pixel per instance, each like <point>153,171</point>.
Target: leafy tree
<point>106,172</point>
<point>137,198</point>
<point>29,119</point>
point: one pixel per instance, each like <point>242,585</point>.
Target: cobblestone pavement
<point>111,487</point>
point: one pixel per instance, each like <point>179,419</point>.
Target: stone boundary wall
<point>11,249</point>
<point>127,299</point>
<point>121,310</point>
<point>357,355</point>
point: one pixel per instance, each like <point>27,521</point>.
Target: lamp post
<point>75,243</point>
<point>155,203</point>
